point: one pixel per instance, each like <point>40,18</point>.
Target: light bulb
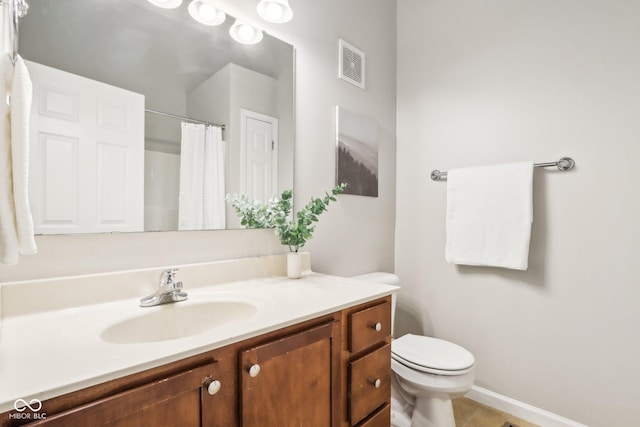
<point>246,32</point>
<point>166,4</point>
<point>206,13</point>
<point>276,11</point>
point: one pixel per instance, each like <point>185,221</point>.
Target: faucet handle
<point>168,276</point>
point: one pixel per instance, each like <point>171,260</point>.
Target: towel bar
<point>564,164</point>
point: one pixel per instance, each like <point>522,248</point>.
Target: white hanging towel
<point>8,235</point>
<point>21,97</point>
<point>16,223</point>
<point>489,215</point>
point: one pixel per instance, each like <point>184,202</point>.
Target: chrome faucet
<point>169,290</point>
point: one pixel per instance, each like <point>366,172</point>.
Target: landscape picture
<point>357,153</point>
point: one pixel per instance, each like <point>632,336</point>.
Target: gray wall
<point>500,81</point>
<point>357,234</point>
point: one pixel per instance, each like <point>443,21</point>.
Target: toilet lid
<point>431,354</point>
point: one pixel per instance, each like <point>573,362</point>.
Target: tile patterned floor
<point>468,413</point>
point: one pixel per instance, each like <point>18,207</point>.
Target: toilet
<point>427,373</point>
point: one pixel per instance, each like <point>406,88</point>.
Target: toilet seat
<point>432,355</point>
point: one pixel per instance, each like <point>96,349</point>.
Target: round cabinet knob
<point>213,386</point>
<point>254,370</point>
<point>377,326</point>
<point>376,382</point>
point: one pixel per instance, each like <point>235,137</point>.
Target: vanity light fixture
<point>166,4</point>
<point>244,33</point>
<point>206,13</point>
<point>276,11</point>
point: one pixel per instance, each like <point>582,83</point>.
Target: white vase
<point>294,265</point>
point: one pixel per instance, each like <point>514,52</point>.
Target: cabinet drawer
<point>382,418</point>
<point>369,326</point>
<point>369,383</point>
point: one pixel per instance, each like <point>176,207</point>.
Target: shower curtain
<point>202,188</point>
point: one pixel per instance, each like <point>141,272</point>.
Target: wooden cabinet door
<point>288,382</point>
<point>180,400</point>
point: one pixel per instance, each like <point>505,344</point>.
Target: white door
<point>259,153</point>
<point>86,154</point>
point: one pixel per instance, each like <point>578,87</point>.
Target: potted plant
<point>292,231</point>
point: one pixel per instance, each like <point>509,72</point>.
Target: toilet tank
<point>387,279</point>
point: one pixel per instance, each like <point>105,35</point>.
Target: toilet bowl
<point>427,373</point>
<point>432,372</point>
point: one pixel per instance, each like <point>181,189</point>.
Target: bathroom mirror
<point>115,84</point>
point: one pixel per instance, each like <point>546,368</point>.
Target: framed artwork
<point>357,152</point>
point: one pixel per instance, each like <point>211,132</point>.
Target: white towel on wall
<point>489,215</point>
<point>8,235</point>
<point>21,97</point>
<point>16,223</point>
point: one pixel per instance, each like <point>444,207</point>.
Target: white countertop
<point>48,353</point>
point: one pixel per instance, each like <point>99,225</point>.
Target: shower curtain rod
<point>564,164</point>
<point>186,119</point>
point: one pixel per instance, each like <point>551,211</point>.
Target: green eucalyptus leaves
<point>292,232</point>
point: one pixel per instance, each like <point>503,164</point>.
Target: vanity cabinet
<point>331,371</point>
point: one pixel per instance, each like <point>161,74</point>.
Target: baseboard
<point>519,409</point>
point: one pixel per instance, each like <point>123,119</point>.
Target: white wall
<point>357,234</point>
<point>216,87</point>
<point>498,81</point>
<point>161,190</point>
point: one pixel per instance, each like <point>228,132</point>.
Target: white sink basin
<point>177,320</point>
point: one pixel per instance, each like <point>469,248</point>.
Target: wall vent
<point>352,64</point>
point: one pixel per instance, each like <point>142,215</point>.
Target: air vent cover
<point>352,64</point>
